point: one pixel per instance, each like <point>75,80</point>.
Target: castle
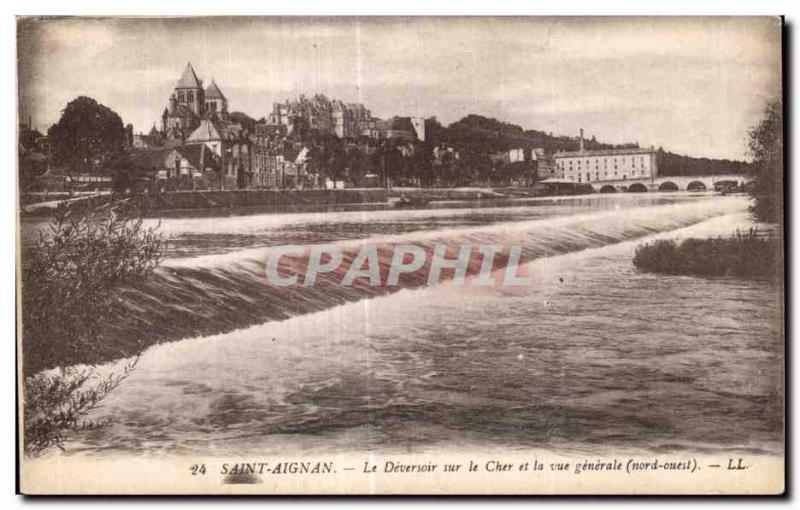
<point>190,103</point>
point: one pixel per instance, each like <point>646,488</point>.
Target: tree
<point>766,147</point>
<point>87,136</point>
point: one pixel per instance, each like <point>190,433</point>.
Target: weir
<point>213,294</point>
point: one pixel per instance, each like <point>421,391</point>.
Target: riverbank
<point>227,199</point>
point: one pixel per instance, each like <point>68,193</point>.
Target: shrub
<point>69,278</point>
<point>745,255</point>
<point>68,283</point>
<point>55,403</point>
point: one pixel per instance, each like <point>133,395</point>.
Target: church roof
<point>189,79</point>
<point>205,132</point>
<point>213,91</point>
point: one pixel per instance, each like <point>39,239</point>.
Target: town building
<point>186,167</point>
<point>397,128</point>
<point>151,140</point>
<point>545,164</point>
<point>278,162</point>
<point>230,143</point>
<point>589,166</point>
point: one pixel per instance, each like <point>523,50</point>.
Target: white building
<point>606,164</point>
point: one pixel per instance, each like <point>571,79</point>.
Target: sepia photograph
<point>400,255</point>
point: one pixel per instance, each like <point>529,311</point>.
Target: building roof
<point>196,154</point>
<point>604,152</point>
<point>213,91</point>
<point>205,132</point>
<point>189,80</point>
<point>149,159</point>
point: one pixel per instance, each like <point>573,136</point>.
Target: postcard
<point>401,255</point>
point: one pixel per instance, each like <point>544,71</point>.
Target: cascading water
<point>212,294</point>
<point>594,353</point>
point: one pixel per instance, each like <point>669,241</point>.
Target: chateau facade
<point>345,120</point>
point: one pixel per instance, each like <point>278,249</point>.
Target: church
<point>190,103</point>
<point>197,115</point>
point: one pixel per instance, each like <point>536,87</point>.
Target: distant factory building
<point>586,166</point>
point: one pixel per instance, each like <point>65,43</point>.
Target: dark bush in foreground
<point>743,255</point>
<point>55,404</point>
<point>69,281</point>
<point>70,275</point>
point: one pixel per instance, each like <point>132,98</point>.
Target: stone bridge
<point>671,183</point>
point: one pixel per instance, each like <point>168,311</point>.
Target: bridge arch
<point>668,186</point>
<point>637,187</point>
<point>696,186</point>
<point>608,189</point>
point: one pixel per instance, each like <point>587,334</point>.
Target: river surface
<point>593,356</point>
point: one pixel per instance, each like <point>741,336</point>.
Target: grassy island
<point>743,255</point>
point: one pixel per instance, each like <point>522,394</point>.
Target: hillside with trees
<point>476,135</point>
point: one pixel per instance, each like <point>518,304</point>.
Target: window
<point>181,98</point>
<point>190,97</point>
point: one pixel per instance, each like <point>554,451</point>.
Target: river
<point>593,356</point>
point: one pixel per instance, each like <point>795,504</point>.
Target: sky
<point>693,86</point>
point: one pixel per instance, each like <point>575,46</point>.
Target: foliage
<point>55,403</point>
<point>744,255</point>
<point>69,278</point>
<point>87,136</point>
<point>766,147</point>
<point>676,164</point>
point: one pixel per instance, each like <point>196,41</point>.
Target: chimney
<point>582,147</point>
